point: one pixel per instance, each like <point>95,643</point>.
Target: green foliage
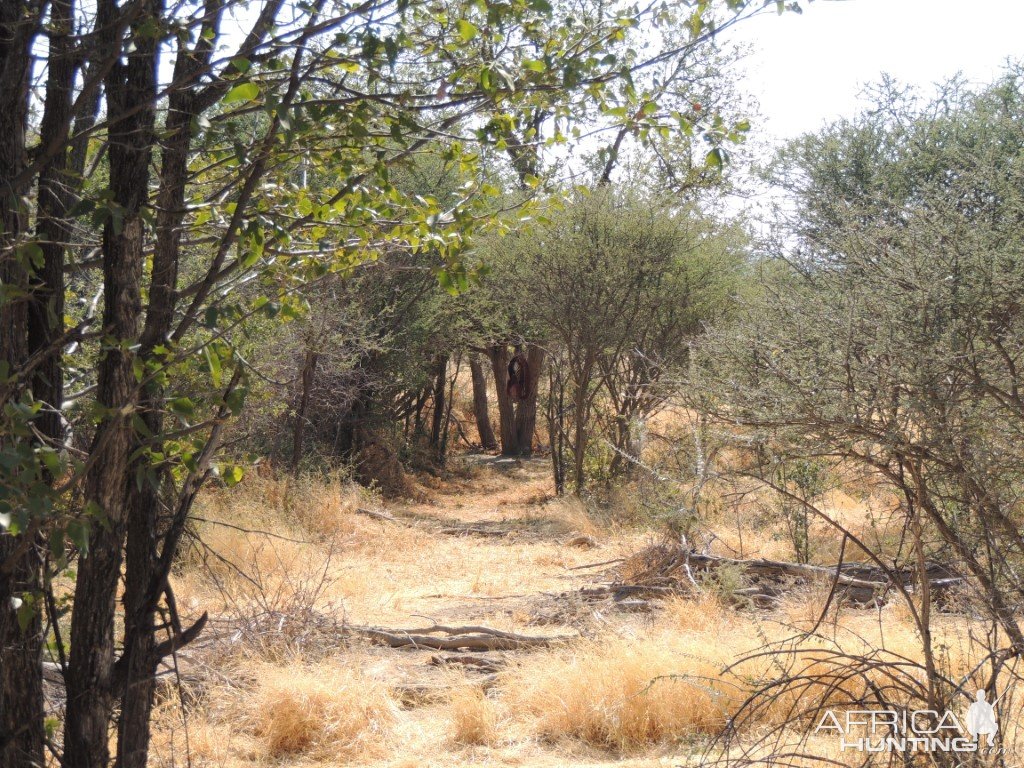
<point>616,285</point>
<point>889,334</point>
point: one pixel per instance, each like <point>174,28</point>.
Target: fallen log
<point>478,663</point>
<point>384,516</point>
<point>778,568</point>
<point>459,531</point>
<point>469,638</point>
<point>670,568</point>
<point>595,565</point>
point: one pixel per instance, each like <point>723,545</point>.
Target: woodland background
<point>320,320</point>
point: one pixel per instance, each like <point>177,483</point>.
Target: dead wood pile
<point>671,568</point>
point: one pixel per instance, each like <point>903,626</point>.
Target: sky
<point>808,69</point>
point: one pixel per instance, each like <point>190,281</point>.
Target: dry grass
<point>290,712</point>
<point>660,683</point>
<point>624,693</point>
<point>473,717</point>
<point>322,711</point>
<point>641,689</point>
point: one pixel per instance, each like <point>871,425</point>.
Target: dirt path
<point>489,546</point>
<point>492,546</point>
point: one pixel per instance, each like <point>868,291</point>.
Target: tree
<point>617,285</point>
<point>889,337</point>
<point>190,167</point>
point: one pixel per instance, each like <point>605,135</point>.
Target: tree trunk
<point>480,410</point>
<point>46,308</point>
<point>438,399</point>
<point>21,695</point>
<point>525,420</point>
<point>91,694</point>
<point>580,453</point>
<point>143,578</point>
<point>581,418</point>
<point>556,427</point>
<point>517,421</point>
<point>499,356</point>
<point>625,448</point>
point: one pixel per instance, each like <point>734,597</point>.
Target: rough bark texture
<point>46,308</point>
<point>144,577</point>
<point>517,421</point>
<point>524,423</point>
<point>21,696</point>
<point>131,96</point>
<point>480,409</point>
<point>499,357</point>
<point>438,399</point>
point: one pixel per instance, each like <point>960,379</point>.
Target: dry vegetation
<point>279,681</point>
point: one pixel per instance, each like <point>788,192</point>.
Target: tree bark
<point>517,421</point>
<point>131,89</point>
<point>46,307</point>
<point>480,409</point>
<point>525,421</point>
<point>21,695</point>
<point>438,399</point>
<point>499,356</point>
<point>143,577</point>
<point>581,418</point>
<point>556,426</point>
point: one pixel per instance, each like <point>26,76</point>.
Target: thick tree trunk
<point>46,308</point>
<point>142,560</point>
<point>21,692</point>
<point>480,409</point>
<point>524,423</point>
<point>499,357</point>
<point>91,687</point>
<point>21,695</point>
<point>517,421</point>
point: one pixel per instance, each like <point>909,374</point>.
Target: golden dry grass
<point>474,718</point>
<point>624,693</point>
<point>638,690</point>
<point>323,711</point>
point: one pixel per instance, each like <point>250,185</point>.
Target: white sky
<point>807,69</point>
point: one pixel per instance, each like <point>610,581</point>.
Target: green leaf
<point>26,611</point>
<point>241,64</point>
<point>57,543</point>
<point>183,406</point>
<point>233,475</point>
<point>715,159</point>
<point>213,363</point>
<point>78,532</point>
<point>242,92</point>
<point>82,207</point>
<point>236,399</point>
<point>467,30</point>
